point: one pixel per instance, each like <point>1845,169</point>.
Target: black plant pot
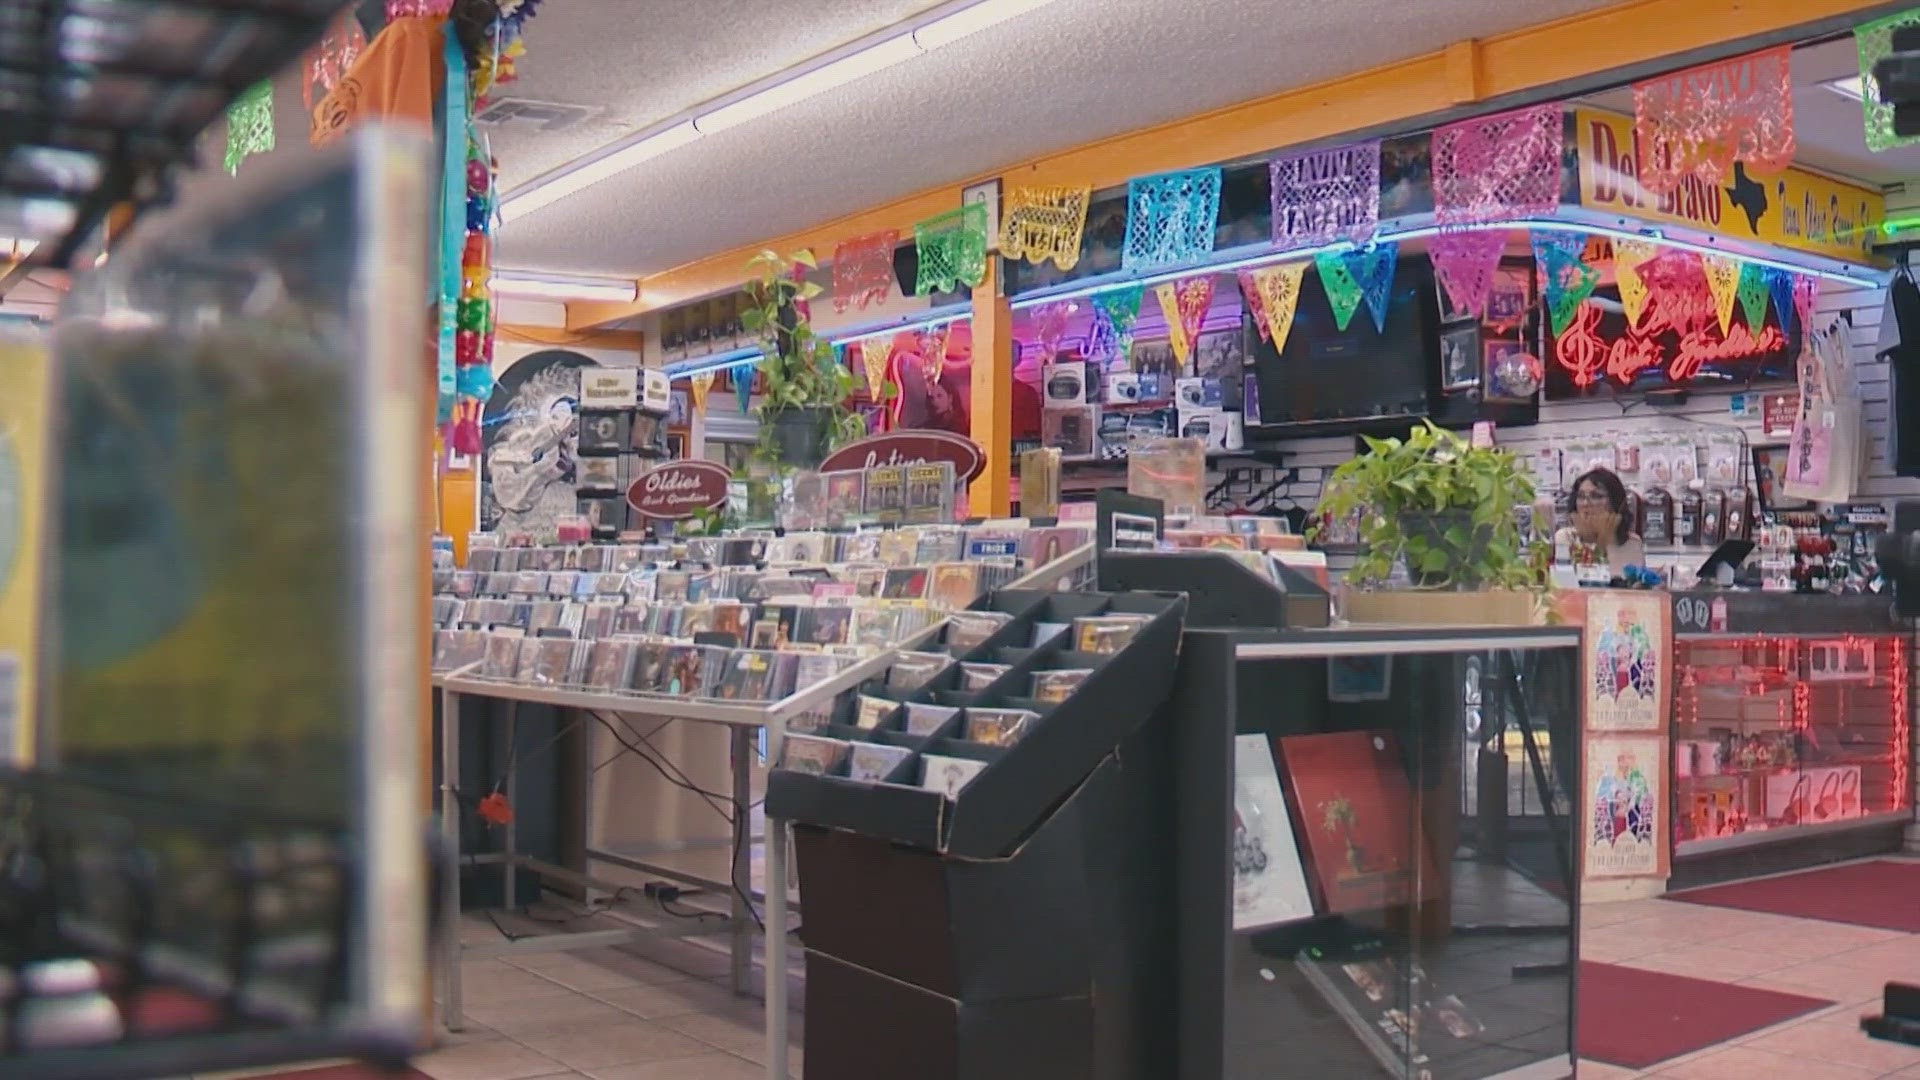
<point>1466,562</point>
<point>800,436</point>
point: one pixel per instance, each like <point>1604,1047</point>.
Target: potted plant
<point>1440,505</point>
<point>803,411</point>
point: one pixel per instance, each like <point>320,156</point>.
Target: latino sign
<point>680,489</point>
<point>911,447</point>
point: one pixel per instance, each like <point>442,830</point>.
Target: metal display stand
<point>744,723</point>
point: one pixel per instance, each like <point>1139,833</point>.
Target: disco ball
<point>1518,374</point>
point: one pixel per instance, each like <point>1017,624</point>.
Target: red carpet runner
<point>1636,1019</point>
<point>1879,894</point>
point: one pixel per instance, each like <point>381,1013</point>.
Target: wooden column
<point>991,494</point>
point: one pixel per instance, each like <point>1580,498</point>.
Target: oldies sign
<point>680,489</point>
<point>912,447</point>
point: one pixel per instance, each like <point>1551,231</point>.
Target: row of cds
<point>949,584</point>
<point>629,664</point>
<point>860,627</point>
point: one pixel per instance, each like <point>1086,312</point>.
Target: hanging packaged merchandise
<point>1686,526</point>
<point>1656,518</point>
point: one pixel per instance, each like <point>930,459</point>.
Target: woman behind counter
<point>1603,531</point>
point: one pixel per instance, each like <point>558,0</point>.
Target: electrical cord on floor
<point>680,779</point>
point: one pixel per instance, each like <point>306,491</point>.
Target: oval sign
<point>680,489</point>
<point>911,447</point>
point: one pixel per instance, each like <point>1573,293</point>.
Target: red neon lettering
<point>1587,356</point>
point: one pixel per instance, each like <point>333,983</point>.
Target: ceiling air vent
<point>526,112</point>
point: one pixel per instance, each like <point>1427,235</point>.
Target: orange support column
<point>992,493</point>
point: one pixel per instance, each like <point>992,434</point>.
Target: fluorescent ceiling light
<point>563,287</point>
<point>811,84</point>
<point>972,20</point>
<point>1849,87</point>
<point>790,87</point>
<point>593,170</point>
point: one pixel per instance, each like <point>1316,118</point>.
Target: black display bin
<point>1024,931</point>
<point>1466,970</point>
<point>1006,802</point>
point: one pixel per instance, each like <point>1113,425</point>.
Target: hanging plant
<point>803,412</point>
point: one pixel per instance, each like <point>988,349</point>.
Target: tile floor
<point>664,1012</point>
<point>1847,965</point>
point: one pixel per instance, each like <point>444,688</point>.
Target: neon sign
<point>1679,332</point>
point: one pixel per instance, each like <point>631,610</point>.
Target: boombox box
<point>1065,385</point>
<point>1123,388</point>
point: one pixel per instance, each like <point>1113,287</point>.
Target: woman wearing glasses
<point>1602,524</point>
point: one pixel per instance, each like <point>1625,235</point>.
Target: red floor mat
<point>348,1072</point>
<point>1878,894</point>
<point>1636,1019</point>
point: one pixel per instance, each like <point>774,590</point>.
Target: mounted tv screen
<point>1332,380</point>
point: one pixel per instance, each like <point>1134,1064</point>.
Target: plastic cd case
<point>974,677</point>
<point>948,775</point>
<point>924,719</point>
<point>1058,686</point>
<point>814,754</point>
<point>1106,633</point>
<point>968,629</point>
<point>999,727</point>
<point>872,763</point>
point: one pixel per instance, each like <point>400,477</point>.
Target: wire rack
<point>101,99</point>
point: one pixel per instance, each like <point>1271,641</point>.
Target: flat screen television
<point>1333,381</point>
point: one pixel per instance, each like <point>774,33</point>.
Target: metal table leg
<point>741,952</point>
<point>510,893</point>
<point>452,1006</point>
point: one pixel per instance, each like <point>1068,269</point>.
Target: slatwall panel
<point>1703,415</point>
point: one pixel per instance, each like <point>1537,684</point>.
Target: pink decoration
<point>1466,264</point>
<point>1700,121</point>
<point>1805,289</point>
<point>1494,168</point>
<point>1256,303</point>
<point>1049,322</point>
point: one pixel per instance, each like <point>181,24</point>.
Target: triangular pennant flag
<point>1049,322</point>
<point>1195,300</point>
<point>1753,295</point>
<point>1343,292</point>
<point>1169,298</point>
<point>743,387</point>
<point>1360,274</point>
<point>1114,315</point>
<point>1566,281</point>
<point>1628,257</point>
<point>1780,285</point>
<point>1805,288</point>
<point>1278,288</point>
<point>1465,263</point>
<point>874,354</point>
<point>1723,282</point>
<point>1256,303</point>
<point>698,385</point>
<point>933,351</point>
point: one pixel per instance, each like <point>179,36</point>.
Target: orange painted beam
<point>1529,59</point>
<point>991,494</point>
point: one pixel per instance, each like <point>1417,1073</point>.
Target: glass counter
<point>1372,882</point>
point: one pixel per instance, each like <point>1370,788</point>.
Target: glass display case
<point>1777,735</point>
<point>1352,905</point>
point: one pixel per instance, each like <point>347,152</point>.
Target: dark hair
<point>1616,493</point>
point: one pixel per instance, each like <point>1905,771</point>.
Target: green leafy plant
<point>1439,503</point>
<point>800,371</point>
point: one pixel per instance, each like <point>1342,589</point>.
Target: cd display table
<point>745,724</point>
<point>1342,910</point>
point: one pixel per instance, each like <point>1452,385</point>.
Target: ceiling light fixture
<point>564,287</point>
<point>789,87</point>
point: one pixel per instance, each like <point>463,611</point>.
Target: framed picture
<point>1155,358</point>
<point>680,407</point>
<point>1493,351</point>
<point>1220,354</point>
<point>1460,357</point>
<point>1769,465</point>
<point>987,194</point>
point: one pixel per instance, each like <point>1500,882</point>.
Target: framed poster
<point>1624,660</point>
<point>1621,794</point>
<point>1351,791</point>
<point>1269,882</point>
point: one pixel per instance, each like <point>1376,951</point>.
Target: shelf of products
<point>1773,735</point>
